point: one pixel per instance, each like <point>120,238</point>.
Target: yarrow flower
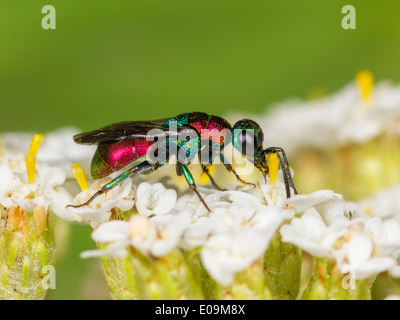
<point>345,244</point>
<point>383,203</point>
<point>15,189</point>
<point>381,211</point>
<point>117,201</point>
<point>58,149</point>
<point>153,237</point>
<point>249,246</point>
<point>226,241</point>
<point>347,141</point>
<point>154,199</point>
<point>157,240</point>
<point>27,239</point>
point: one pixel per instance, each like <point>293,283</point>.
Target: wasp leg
<point>207,172</point>
<point>283,162</point>
<point>229,167</point>
<point>208,155</point>
<point>182,169</point>
<point>142,168</point>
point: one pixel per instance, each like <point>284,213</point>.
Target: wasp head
<point>248,139</point>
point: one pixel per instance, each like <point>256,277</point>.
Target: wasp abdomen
<point>113,157</point>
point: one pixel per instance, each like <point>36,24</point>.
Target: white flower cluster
<point>358,238</point>
<point>362,238</point>
<point>100,209</point>
<point>242,222</point>
<point>15,189</point>
<point>50,189</point>
<point>57,150</point>
<point>234,235</point>
<point>360,244</point>
<point>338,119</point>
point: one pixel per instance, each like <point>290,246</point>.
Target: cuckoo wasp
<point>127,145</point>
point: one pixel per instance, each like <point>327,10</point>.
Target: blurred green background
<point>111,61</point>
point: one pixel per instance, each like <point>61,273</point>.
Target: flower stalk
<point>282,267</point>
<point>137,276</point>
<point>328,283</point>
<point>248,285</point>
<point>120,277</point>
<point>27,246</point>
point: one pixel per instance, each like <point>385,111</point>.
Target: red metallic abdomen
<point>113,157</point>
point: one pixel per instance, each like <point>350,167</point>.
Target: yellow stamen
<point>368,210</point>
<point>35,143</point>
<point>365,82</point>
<point>30,157</point>
<point>0,146</point>
<point>80,176</point>
<point>30,160</point>
<point>273,165</point>
<point>204,178</point>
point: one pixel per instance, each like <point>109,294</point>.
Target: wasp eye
<point>246,141</point>
<point>248,137</point>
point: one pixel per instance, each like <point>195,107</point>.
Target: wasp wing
<point>117,132</point>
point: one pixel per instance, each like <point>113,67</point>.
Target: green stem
<point>140,277</point>
<point>329,283</point>
<point>25,250</point>
<point>209,287</point>
<point>248,285</point>
<point>120,277</point>
<point>282,268</point>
